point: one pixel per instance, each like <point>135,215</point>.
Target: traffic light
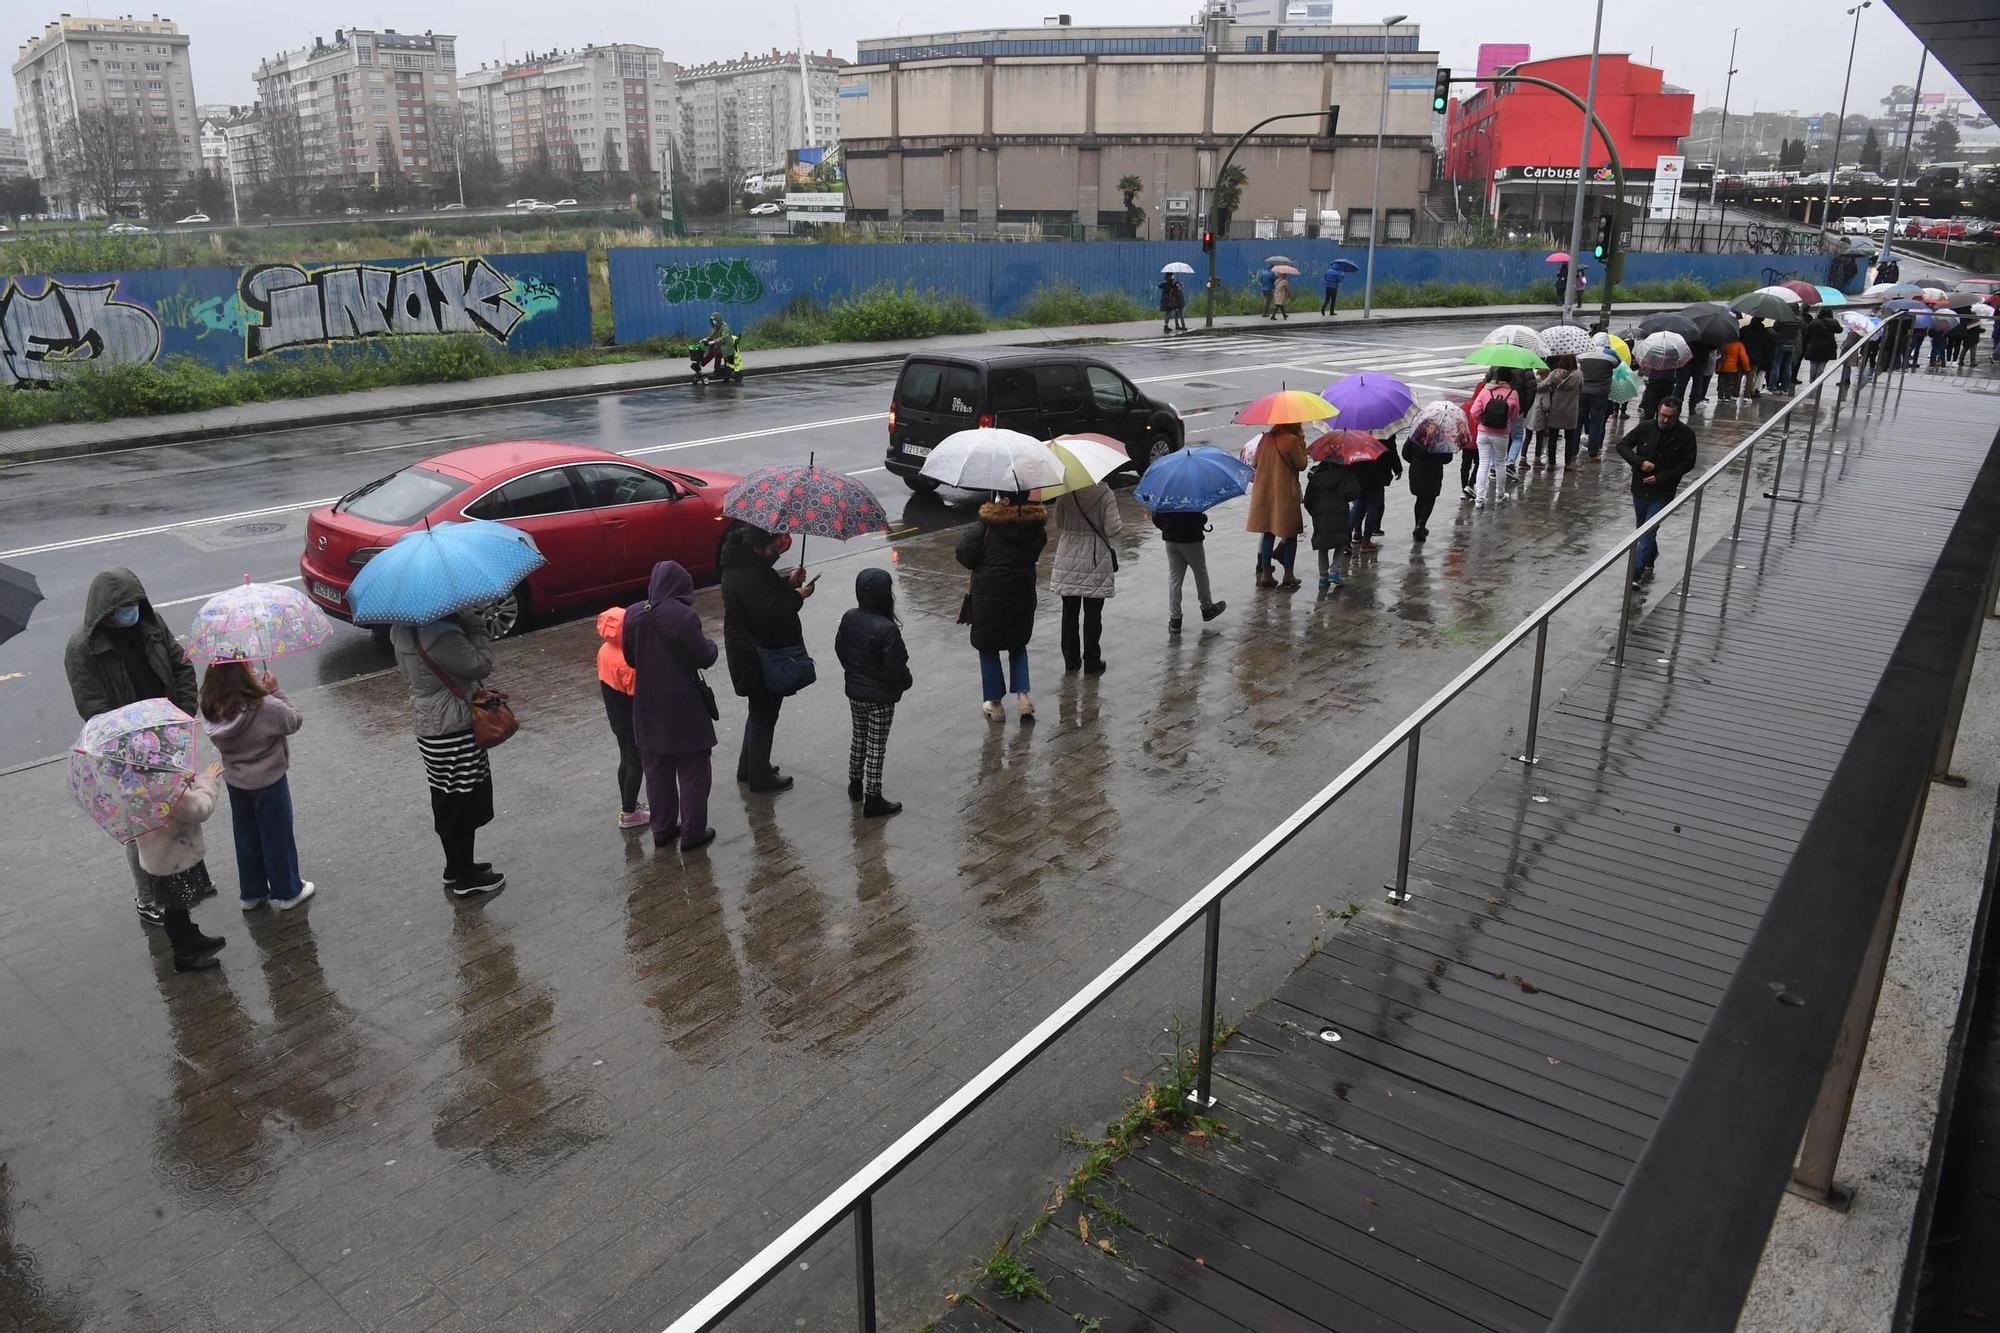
<point>1208,242</point>
<point>1441,91</point>
<point>1605,224</point>
<point>1332,121</point>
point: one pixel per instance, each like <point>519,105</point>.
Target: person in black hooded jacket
<point>1001,550</point>
<point>870,647</point>
<point>760,609</point>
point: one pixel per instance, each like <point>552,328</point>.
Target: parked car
<point>524,203</point>
<point>1037,391</point>
<point>602,520</point>
<point>126,229</point>
<point>769,209</point>
<point>192,219</point>
<point>353,211</point>
<point>1987,284</point>
<point>448,208</point>
<point>565,203</point>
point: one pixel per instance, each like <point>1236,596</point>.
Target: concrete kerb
<point>76,439</point>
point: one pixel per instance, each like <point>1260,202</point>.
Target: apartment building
<point>367,103</point>
<point>136,65</point>
<point>745,115</point>
<point>594,109</point>
<point>13,155</point>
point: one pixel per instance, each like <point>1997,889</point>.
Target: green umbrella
<point>1505,354</point>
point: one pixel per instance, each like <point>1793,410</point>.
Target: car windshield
<point>402,497</point>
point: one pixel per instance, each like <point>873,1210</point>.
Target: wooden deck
<point>1429,1121</point>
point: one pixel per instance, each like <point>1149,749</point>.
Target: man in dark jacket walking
<point>760,611</point>
<point>1595,395</point>
<point>121,654</point>
<point>1660,452</point>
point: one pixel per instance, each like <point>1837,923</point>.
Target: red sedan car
<point>602,520</point>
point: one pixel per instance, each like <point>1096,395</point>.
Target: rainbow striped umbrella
<point>1287,407</point>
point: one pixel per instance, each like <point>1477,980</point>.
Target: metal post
<point>1575,265</point>
<point>1742,494</point>
<point>1535,691</point>
<point>1722,138</point>
<point>864,1264</point>
<point>1903,167</point>
<point>1778,477</point>
<point>1375,192</point>
<point>1625,609</point>
<point>1694,530</point>
<point>1840,126</point>
<point>1204,1049</point>
<point>1399,892</point>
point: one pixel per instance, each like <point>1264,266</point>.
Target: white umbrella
<point>994,460</point>
<point>1661,351</point>
<point>1087,460</point>
<point>1982,310</point>
<point>1782,293</point>
<point>1178,267</point>
<point>1857,322</point>
<point>1566,340</point>
<point>1518,335</point>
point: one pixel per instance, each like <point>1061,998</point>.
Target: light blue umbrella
<point>429,573</point>
<point>1832,296</point>
<point>1193,480</point>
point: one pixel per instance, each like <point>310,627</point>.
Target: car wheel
<point>1158,445</point>
<point>922,485</point>
<point>507,615</point>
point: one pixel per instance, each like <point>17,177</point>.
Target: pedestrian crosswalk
<point>1422,367</point>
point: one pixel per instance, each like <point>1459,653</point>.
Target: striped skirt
<point>461,782</point>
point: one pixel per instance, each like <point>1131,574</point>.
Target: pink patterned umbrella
<point>255,623</point>
<point>131,764</point>
<point>806,500</point>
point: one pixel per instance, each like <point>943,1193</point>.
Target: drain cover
<point>255,529</point>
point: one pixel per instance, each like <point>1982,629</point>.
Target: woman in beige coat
<point>1086,523</point>
<point>1274,502</point>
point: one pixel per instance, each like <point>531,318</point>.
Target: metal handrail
<point>854,1196</point>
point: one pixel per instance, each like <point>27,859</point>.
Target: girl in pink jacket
<point>173,855</point>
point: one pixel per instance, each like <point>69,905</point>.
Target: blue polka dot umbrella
<point>429,573</point>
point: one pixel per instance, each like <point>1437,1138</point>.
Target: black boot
<point>877,805</point>
<point>854,789</point>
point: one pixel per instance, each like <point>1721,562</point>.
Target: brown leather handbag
<point>493,719</point>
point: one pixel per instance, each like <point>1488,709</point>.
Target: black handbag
<point>787,670</point>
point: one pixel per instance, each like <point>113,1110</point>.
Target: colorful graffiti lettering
<point>534,294</point>
<point>713,282</point>
<point>214,314</point>
<point>70,324</point>
<point>350,302</point>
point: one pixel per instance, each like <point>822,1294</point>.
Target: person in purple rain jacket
<point>670,719</point>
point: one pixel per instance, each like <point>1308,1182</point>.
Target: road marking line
<point>202,597</point>
<point>417,444</point>
<point>753,434</point>
<point>75,542</point>
<point>865,471</point>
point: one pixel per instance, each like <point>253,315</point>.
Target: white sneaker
<point>994,712</point>
<point>287,904</point>
<point>1024,705</point>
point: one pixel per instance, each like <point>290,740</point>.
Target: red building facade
<point>1517,140</point>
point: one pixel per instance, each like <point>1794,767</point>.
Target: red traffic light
<point>1208,242</point>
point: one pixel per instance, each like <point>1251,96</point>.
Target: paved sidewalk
<point>93,437</point>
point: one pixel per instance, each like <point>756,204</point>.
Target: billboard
<point>1664,199</point>
<point>802,167</point>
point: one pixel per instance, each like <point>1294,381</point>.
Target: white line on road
<point>417,444</point>
<point>204,596</point>
<point>754,434</point>
<point>102,538</point>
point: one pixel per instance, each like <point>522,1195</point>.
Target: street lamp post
<point>1841,125</point>
<point>1375,191</point>
<point>1722,140</point>
<point>1903,167</point>
<point>1575,266</point>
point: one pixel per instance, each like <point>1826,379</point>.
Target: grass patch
<point>1010,1276</point>
<point>1065,304</point>
<point>1162,1108</point>
<point>886,312</point>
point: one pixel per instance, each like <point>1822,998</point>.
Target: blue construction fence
<point>233,317</point>
<point>657,292</point>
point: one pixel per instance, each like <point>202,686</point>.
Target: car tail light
<point>364,555</point>
<point>892,419</point>
<point>986,421</point>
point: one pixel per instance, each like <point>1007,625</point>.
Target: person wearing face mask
<point>124,653</point>
<point>1660,452</point>
<point>760,614</point>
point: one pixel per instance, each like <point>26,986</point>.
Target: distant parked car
<point>542,208</point>
<point>192,219</point>
<point>446,208</point>
<point>767,210</point>
<point>525,203</point>
<point>565,203</point>
<point>126,229</point>
<point>4,229</point>
<point>353,212</point>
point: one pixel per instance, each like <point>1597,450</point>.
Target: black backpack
<point>1493,415</point>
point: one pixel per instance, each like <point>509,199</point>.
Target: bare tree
<point>286,158</point>
<point>108,159</point>
<point>612,163</point>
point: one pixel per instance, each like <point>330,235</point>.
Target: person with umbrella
<point>1001,550</point>
<point>1274,501</point>
<point>1558,402</point>
<point>1494,409</point>
<point>1333,489</point>
<point>1660,452</point>
<point>1594,371</point>
<point>1085,573</point>
<point>1267,283</point>
<point>1760,340</point>
<point>121,654</point>
<point>1281,289</point>
<point>1330,280</point>
<point>249,721</point>
<point>176,856</point>
<point>1822,342</point>
<point>1375,475</point>
<point>673,710</point>
<point>1968,346</point>
<point>1172,301</point>
<point>1179,490</point>
<point>760,616</point>
<point>1439,430</point>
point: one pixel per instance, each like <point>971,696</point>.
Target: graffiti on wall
<point>69,324</point>
<point>350,302</point>
<point>534,294</point>
<point>712,281</point>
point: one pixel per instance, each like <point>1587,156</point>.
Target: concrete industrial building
<point>367,102</point>
<point>593,109</point>
<point>743,116</point>
<point>982,131</point>
<point>133,65</point>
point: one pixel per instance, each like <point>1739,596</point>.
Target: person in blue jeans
<point>1267,283</point>
<point>1660,452</point>
<point>1785,360</point>
<point>250,721</point>
<point>1001,550</point>
<point>1330,282</point>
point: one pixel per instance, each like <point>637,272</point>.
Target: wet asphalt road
<point>193,519</point>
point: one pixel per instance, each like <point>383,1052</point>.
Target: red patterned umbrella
<point>1349,446</point>
<point>806,500</point>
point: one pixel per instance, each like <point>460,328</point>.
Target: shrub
<point>1065,304</point>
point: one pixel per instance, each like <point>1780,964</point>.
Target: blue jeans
<point>1269,548</point>
<point>1595,410</point>
<point>267,859</point>
<point>1364,513</point>
<point>993,683</point>
<point>1643,508</point>
<point>1517,440</point>
<point>1784,368</point>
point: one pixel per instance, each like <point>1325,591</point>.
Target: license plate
<point>326,594</point>
<point>917,450</point>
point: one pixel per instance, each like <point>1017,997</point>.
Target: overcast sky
<point>1790,55</point>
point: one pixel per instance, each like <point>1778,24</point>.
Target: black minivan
<point>1044,392</point>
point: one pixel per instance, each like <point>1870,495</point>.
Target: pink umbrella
<point>130,765</point>
<point>1559,257</point>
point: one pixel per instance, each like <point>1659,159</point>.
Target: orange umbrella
<point>1287,407</point>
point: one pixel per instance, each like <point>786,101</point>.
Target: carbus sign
<point>1598,175</point>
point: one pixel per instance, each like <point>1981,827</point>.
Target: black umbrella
<point>18,594</point>
<point>1717,326</point>
<point>1669,323</point>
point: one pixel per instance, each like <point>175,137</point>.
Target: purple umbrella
<point>1370,401</point>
